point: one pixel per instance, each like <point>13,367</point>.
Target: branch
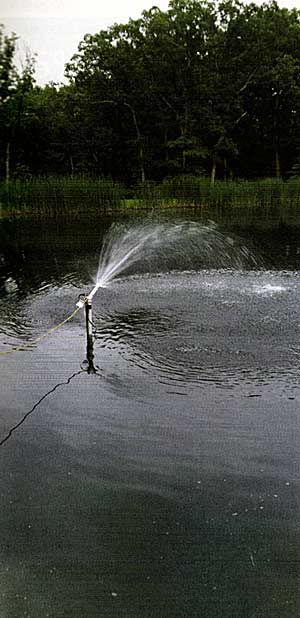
<point>134,120</point>
<point>240,118</point>
<point>247,82</point>
<point>169,105</point>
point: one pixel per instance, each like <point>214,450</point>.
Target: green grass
<point>57,196</point>
<point>71,196</point>
<point>198,192</point>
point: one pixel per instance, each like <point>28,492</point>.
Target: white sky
<point>54,28</point>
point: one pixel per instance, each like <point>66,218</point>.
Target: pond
<point>165,484</point>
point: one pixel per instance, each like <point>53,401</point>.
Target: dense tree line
<point>206,87</point>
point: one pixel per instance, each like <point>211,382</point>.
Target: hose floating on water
<point>24,346</point>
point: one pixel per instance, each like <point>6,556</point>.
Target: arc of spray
<point>90,296</point>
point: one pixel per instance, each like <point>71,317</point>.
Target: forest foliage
<point>206,88</point>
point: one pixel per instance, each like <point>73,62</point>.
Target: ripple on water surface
<point>222,326</point>
<point>172,465</point>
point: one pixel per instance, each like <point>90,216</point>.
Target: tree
<point>13,89</point>
<point>204,87</point>
<point>106,73</point>
<point>272,98</point>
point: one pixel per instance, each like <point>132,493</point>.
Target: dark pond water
<point>165,484</point>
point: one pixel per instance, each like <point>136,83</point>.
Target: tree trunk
<point>7,164</point>
<point>277,162</point>
<point>72,166</point>
<point>141,153</point>
<point>183,159</point>
<point>139,142</point>
<point>138,136</point>
<point>166,148</point>
<point>213,171</point>
<point>275,129</point>
<point>184,131</point>
<point>225,168</point>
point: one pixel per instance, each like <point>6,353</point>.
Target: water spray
<point>172,244</point>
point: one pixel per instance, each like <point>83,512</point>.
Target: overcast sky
<point>54,28</point>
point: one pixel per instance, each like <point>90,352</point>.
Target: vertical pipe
<point>89,336</point>
<point>89,318</point>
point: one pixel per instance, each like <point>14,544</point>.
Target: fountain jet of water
<point>170,245</point>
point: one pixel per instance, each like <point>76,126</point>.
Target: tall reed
<point>70,196</point>
<point>56,196</point>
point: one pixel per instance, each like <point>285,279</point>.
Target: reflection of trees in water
<point>40,252</point>
<point>36,252</point>
<point>279,246</point>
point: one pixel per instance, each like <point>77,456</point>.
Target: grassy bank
<point>56,196</point>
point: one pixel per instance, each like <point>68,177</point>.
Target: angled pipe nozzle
<point>88,298</point>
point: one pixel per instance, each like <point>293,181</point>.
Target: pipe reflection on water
<point>90,355</point>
